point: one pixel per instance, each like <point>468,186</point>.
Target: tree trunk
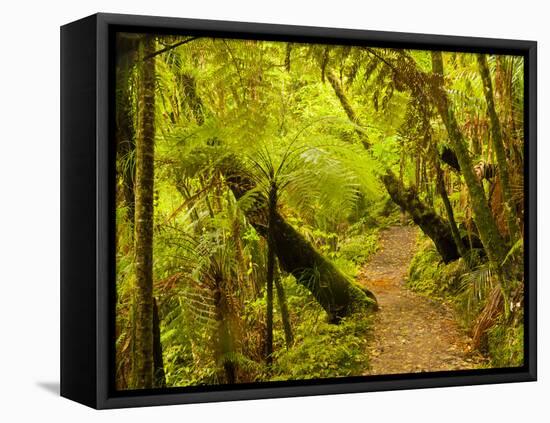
<point>285,315</point>
<point>158,362</point>
<point>288,52</point>
<point>334,291</point>
<point>488,231</point>
<point>225,347</point>
<point>338,295</point>
<point>272,207</point>
<point>143,237</point>
<point>496,133</point>
<point>450,213</point>
<point>352,116</point>
<point>424,216</point>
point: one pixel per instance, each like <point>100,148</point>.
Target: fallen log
<point>335,292</point>
<point>424,216</point>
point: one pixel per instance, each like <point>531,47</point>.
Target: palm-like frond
<point>476,285</point>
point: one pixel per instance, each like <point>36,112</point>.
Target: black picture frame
<point>87,257</point>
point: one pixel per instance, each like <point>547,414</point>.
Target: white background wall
<point>29,236</point>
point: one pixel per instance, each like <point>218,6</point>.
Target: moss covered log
<point>335,292</point>
<point>424,216</point>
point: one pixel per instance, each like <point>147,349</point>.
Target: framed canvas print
<point>255,211</point>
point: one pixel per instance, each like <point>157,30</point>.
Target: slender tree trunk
<point>158,362</point>
<point>450,213</point>
<point>272,208</point>
<point>496,133</point>
<point>288,53</point>
<point>283,306</point>
<point>225,348</point>
<point>143,237</point>
<point>488,231</point>
<point>346,105</point>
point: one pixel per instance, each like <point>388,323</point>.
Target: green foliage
<point>269,114</point>
<point>425,272</point>
<point>387,151</point>
<point>475,286</point>
<point>359,248</point>
<point>468,289</point>
<point>430,276</point>
<point>324,350</point>
<point>347,266</point>
<point>506,343</point>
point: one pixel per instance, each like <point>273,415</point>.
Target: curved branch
<point>165,49</point>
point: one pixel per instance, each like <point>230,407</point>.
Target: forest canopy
<point>291,211</point>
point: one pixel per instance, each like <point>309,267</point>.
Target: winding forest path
<point>412,333</point>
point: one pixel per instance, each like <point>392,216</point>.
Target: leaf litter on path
<point>411,333</point>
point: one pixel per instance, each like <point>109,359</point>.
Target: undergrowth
<point>332,351</point>
<point>319,350</point>
<point>322,349</point>
<point>467,290</point>
<point>506,343</point>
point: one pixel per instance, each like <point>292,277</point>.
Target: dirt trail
<point>412,333</point>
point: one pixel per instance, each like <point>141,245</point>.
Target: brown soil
<point>412,333</point>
